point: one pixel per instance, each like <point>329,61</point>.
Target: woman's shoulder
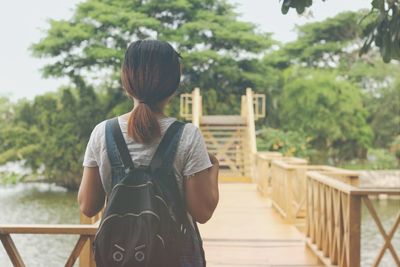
<point>190,128</point>
<point>99,128</point>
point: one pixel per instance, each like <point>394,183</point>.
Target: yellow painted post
<point>196,107</point>
<point>251,131</point>
<point>243,108</point>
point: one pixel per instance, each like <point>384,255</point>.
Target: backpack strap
<point>121,144</point>
<point>117,166</point>
<point>166,150</point>
<point>164,154</point>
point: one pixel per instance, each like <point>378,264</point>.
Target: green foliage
<point>395,147</point>
<point>50,134</point>
<point>207,33</point>
<point>324,43</point>
<point>384,118</point>
<point>289,143</point>
<point>10,178</point>
<point>332,45</point>
<point>382,29</point>
<point>327,109</point>
<point>385,31</point>
<point>378,159</point>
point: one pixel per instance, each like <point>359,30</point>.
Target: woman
<point>150,76</point>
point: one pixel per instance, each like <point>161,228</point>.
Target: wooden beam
<point>77,250</point>
<point>63,229</point>
<point>353,225</point>
<point>11,250</point>
<point>387,238</point>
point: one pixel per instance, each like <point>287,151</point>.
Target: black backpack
<point>145,222</point>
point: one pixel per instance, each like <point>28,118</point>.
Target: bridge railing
<point>288,182</point>
<point>85,232</point>
<point>333,222</point>
<point>82,249</point>
<point>262,175</point>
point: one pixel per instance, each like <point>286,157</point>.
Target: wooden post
<point>243,106</point>
<point>86,258</point>
<point>251,128</point>
<point>250,120</point>
<point>196,107</point>
<point>354,236</point>
<point>289,176</point>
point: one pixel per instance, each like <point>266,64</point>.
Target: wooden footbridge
<point>273,210</point>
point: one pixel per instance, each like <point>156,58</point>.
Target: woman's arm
<point>202,193</point>
<point>91,194</point>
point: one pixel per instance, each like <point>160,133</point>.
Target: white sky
<point>22,23</point>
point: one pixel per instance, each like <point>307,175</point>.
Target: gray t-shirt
<point>191,156</point>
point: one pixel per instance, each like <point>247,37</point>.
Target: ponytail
<point>143,124</point>
<point>150,73</point>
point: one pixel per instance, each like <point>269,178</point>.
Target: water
<point>371,239</point>
<point>44,203</point>
<point>39,203</point>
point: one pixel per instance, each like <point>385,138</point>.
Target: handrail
<point>333,222</point>
<point>85,232</point>
<point>288,182</point>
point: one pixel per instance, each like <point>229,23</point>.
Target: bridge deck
<point>246,231</point>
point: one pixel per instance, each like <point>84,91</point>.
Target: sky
<point>23,22</point>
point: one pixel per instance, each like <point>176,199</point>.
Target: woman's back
<point>191,156</point>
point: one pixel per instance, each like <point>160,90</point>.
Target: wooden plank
<point>222,120</point>
<point>228,128</point>
<point>234,179</point>
<point>77,250</point>
<point>246,231</point>
<point>354,231</point>
<point>86,258</point>
<point>63,229</point>
<point>11,250</point>
<point>228,253</point>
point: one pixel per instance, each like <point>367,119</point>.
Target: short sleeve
<point>89,159</point>
<point>196,155</point>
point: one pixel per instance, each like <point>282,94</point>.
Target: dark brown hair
<point>150,73</point>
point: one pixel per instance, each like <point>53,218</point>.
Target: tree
<point>383,30</point>
<point>330,43</point>
<point>333,45</point>
<point>327,109</point>
<point>50,134</point>
<point>220,55</point>
<point>218,51</point>
<point>384,115</point>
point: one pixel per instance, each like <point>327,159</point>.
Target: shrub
<point>289,143</point>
